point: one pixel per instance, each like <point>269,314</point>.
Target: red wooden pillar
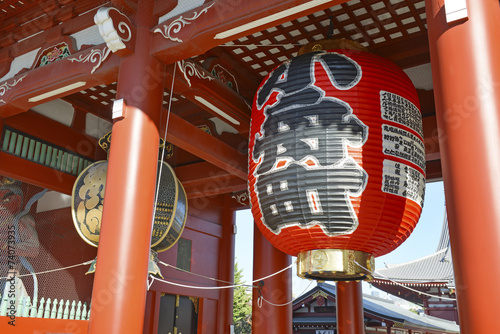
<point>226,268</point>
<point>466,75</point>
<point>277,289</point>
<point>119,292</point>
<point>350,317</point>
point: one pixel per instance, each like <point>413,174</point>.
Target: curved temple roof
<point>434,268</point>
<point>385,309</point>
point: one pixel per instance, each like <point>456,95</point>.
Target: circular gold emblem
<point>87,200</point>
<point>319,259</point>
<point>317,47</point>
<point>171,206</point>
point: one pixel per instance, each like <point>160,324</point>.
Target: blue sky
<point>423,241</point>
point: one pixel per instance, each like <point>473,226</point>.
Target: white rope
<point>256,45</point>
<point>199,287</point>
<point>276,273</point>
<point>216,287</point>
<point>51,271</point>
<point>152,281</point>
<point>195,274</point>
<point>259,301</point>
<point>402,285</point>
<point>164,142</point>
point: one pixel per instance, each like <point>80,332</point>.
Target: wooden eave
<point>395,31</point>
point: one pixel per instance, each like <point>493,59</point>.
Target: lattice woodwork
<point>376,24</point>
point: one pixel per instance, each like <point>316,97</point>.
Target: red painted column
<point>350,317</point>
<point>119,292</point>
<point>466,76</point>
<point>226,268</point>
<point>277,289</point>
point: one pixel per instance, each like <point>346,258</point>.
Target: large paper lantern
<point>336,160</point>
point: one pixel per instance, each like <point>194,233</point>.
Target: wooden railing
<point>47,309</point>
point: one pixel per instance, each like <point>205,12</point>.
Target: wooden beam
<point>58,79</point>
<point>408,52</point>
<point>201,88</point>
<point>216,187</point>
<point>204,180</point>
<point>427,104</point>
<point>53,132</point>
<point>196,141</point>
<point>247,80</point>
<point>218,22</point>
<point>33,173</point>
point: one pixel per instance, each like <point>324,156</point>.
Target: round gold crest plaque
<point>171,205</point>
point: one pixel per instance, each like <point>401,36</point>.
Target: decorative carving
<point>7,86</point>
<point>243,198</point>
<point>52,54</point>
<point>176,25</point>
<point>116,29</point>
<point>220,71</point>
<point>205,128</point>
<point>189,69</point>
<point>319,294</point>
<point>105,142</point>
<point>194,300</point>
<point>94,56</point>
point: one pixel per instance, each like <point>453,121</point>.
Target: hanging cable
<point>402,285</point>
<point>199,275</point>
<point>50,271</point>
<point>217,287</point>
<point>259,45</point>
<point>197,287</point>
<point>164,140</point>
<point>259,301</point>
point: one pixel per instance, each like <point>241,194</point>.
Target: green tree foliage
<point>242,305</point>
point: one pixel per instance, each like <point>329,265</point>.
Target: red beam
<point>31,172</point>
<point>53,132</point>
<point>38,325</point>
<point>216,187</point>
<point>201,88</point>
<point>196,141</point>
<point>26,89</point>
<point>204,179</point>
<point>214,23</point>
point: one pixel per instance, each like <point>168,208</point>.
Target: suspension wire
<point>164,140</point>
<point>215,287</point>
<point>48,271</point>
<point>199,275</point>
<point>258,45</point>
<point>259,301</point>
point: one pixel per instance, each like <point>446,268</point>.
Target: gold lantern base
<point>335,265</point>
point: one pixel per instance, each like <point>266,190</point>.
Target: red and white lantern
<point>337,161</point>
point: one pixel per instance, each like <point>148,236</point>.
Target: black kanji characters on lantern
<point>305,176</point>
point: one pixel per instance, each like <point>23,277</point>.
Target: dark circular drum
<point>170,205</point>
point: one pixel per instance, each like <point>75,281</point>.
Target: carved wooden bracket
<point>116,29</point>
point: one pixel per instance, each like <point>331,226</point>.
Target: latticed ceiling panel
<point>101,98</point>
<point>20,19</point>
<point>373,23</point>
